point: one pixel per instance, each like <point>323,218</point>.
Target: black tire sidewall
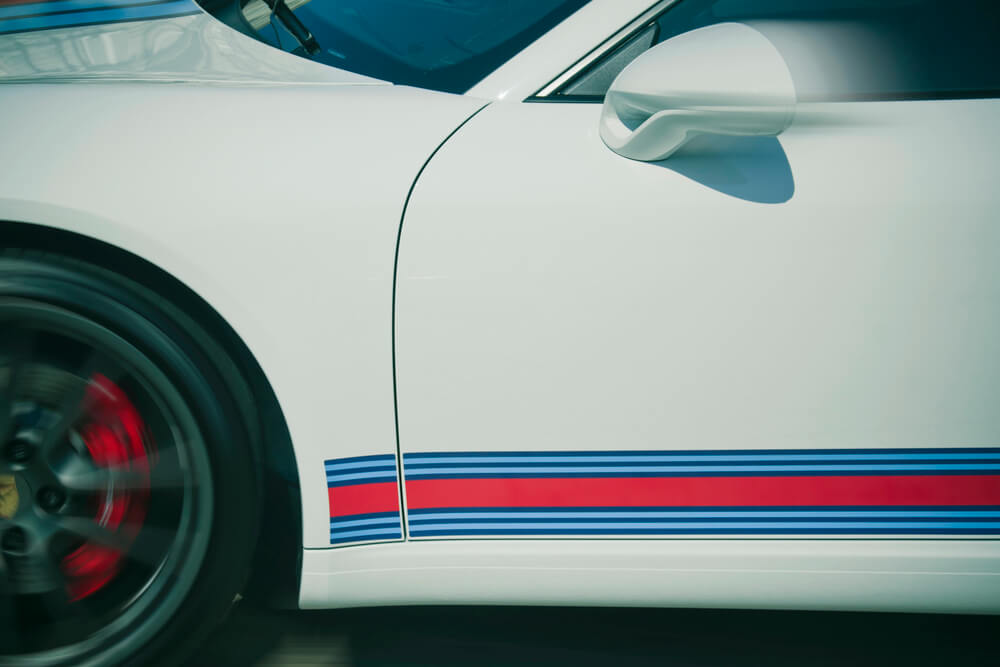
<point>170,339</point>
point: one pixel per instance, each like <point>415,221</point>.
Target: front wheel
<point>127,494</point>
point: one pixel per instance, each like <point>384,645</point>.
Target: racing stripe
<point>704,491</point>
<point>726,492</point>
<point>364,499</point>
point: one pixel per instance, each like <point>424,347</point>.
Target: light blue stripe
<point>65,6</point>
<point>110,15</point>
<point>373,538</point>
<point>387,465</point>
<point>387,521</point>
<point>750,468</point>
<point>361,475</point>
<point>666,525</point>
<point>416,459</point>
<point>381,532</point>
<point>415,518</point>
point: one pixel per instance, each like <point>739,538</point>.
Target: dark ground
<point>613,637</point>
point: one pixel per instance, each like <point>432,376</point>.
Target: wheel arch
<point>277,560</point>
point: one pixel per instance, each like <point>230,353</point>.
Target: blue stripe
<point>367,474</point>
<point>110,15</point>
<point>359,459</point>
<point>361,475</point>
<point>419,462</point>
<point>742,521</point>
<point>361,532</point>
<point>712,508</point>
<point>717,531</point>
<point>347,481</point>
<point>640,475</point>
<point>390,521</point>
<point>430,469</point>
<point>613,470</point>
<point>753,454</point>
<point>653,515</point>
<point>360,466</point>
<point>340,539</point>
<point>369,515</point>
<point>337,483</point>
<point>692,525</point>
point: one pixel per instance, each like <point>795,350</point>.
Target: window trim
<point>547,92</point>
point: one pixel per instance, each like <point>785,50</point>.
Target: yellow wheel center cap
<point>8,496</point>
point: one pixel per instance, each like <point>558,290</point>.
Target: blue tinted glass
<point>446,45</point>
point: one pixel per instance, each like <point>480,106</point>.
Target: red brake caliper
<point>115,438</point>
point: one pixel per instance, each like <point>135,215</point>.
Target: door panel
<point>834,289</point>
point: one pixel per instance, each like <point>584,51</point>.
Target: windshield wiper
<point>294,26</point>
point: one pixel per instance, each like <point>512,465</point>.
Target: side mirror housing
<point>726,78</point>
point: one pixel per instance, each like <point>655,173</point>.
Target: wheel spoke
<point>73,406</point>
<point>100,479</point>
<point>90,531</point>
<point>149,548</point>
<point>124,478</point>
<point>33,573</point>
<point>75,403</point>
<point>19,344</point>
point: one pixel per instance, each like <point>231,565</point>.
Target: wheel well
<point>277,561</point>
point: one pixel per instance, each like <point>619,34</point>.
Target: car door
<point>790,335</point>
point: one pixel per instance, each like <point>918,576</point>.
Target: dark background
<point>613,637</point>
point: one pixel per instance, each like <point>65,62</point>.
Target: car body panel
<point>957,576</point>
<point>242,194</point>
<point>836,287</point>
<point>674,349</point>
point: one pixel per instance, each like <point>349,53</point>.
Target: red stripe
<point>705,491</point>
<point>364,499</point>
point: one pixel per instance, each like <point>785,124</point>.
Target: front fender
<point>278,205</point>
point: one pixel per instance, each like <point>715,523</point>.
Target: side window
<point>594,82</point>
<point>843,49</point>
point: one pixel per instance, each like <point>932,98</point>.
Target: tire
<point>128,484</point>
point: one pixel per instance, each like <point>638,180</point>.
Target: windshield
<point>446,45</point>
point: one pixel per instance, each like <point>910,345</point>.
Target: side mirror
<point>726,78</point>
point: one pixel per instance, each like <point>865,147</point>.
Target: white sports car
<point>379,302</point>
